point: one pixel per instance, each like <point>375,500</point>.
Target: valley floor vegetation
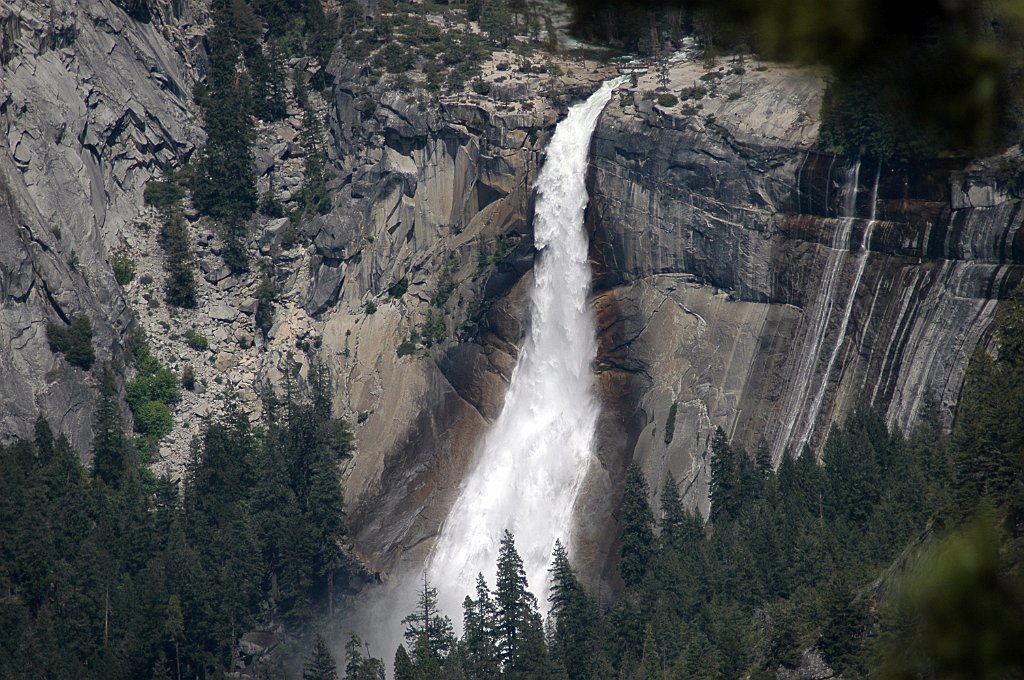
<point>895,557</point>
<point>898,556</point>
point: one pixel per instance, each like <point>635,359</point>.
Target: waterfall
<point>530,465</point>
<point>818,318</point>
<point>862,261</point>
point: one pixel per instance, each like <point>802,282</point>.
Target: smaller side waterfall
<point>818,316</point>
<point>862,261</point>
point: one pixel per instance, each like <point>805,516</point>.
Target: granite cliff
<point>743,278</point>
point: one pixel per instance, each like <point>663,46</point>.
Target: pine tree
<point>650,666</point>
<point>518,628</point>
<point>426,629</point>
<point>637,529</point>
<point>573,636</point>
<point>763,458</point>
<point>314,179</point>
<point>478,637</point>
<point>320,664</point>
<point>111,450</point>
<point>404,669</point>
<point>675,524</point>
<point>225,184</point>
<point>180,286</point>
<point>727,480</point>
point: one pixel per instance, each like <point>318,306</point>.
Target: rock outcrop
<point>431,232</point>
<point>92,104</point>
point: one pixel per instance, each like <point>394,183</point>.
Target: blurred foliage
<point>961,613</point>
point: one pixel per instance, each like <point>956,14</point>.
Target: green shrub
<point>371,307</point>
<point>152,380</point>
<point>668,100</point>
<point>271,206</point>
<point>434,330</point>
<point>124,268</point>
<point>150,395</point>
<point>161,385</point>
<point>188,378</point>
<point>265,295</point>
<point>445,288</point>
<point>407,346</point>
<point>670,423</point>
<point>162,194</point>
<point>153,420</point>
<point>695,92</point>
<point>73,341</point>
<point>196,340</point>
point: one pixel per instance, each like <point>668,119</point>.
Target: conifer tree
<point>404,669</point>
<point>314,178</point>
<point>637,529</point>
<point>478,637</point>
<point>180,285</point>
<point>518,627</point>
<point>650,666</point>
<point>426,629</point>
<point>225,184</point>
<point>111,451</point>
<point>320,665</point>
<point>674,521</point>
<point>572,639</point>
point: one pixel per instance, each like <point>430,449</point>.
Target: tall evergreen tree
<point>637,529</point>
<point>518,628</point>
<point>429,628</point>
<point>478,637</point>
<point>573,638</point>
<point>225,184</point>
<point>111,451</point>
<point>320,664</point>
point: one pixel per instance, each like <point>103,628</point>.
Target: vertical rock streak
<point>797,411</point>
<point>862,261</point>
<point>530,465</point>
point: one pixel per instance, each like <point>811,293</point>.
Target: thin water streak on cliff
<point>819,315</point>
<point>862,261</point>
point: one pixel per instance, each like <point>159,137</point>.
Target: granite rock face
<point>92,103</point>
<point>766,288</point>
<point>751,281</point>
<point>419,278</point>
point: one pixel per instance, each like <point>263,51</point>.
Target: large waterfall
<point>530,465</point>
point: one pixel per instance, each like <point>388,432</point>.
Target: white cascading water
<point>814,337</point>
<point>529,467</point>
<point>862,261</point>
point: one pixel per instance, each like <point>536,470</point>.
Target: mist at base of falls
<point>528,469</point>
